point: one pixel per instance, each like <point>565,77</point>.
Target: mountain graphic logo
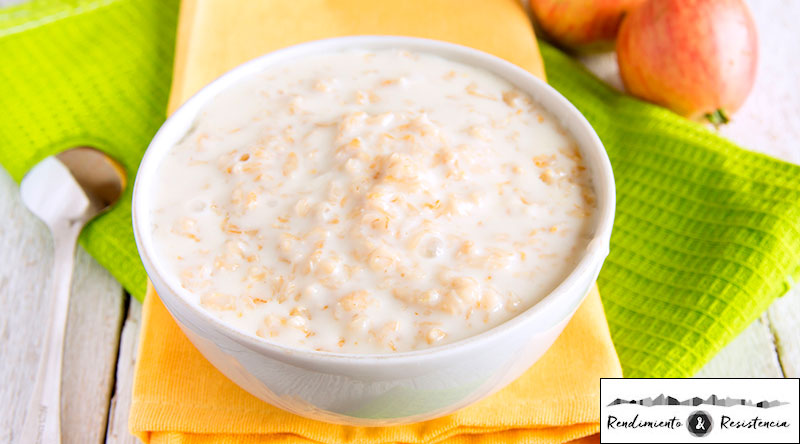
<point>695,401</point>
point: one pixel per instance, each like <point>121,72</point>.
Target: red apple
<point>581,23</point>
<point>696,57</point>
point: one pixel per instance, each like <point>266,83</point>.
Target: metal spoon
<point>66,191</point>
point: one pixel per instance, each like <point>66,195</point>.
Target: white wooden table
<point>104,322</point>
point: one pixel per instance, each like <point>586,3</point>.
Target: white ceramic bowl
<point>385,389</point>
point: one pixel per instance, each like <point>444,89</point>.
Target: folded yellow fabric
<point>178,397</point>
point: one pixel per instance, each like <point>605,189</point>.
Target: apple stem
<point>718,117</point>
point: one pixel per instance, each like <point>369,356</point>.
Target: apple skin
<point>581,24</point>
<point>696,57</point>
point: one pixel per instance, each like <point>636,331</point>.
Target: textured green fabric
<point>706,234</point>
<point>87,73</point>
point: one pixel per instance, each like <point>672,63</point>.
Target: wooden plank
<point>91,351</point>
<point>92,333</point>
<point>121,402</point>
<point>784,317</point>
<point>768,123</point>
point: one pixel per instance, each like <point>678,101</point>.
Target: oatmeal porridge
<point>372,202</point>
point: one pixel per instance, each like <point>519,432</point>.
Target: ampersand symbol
<point>699,425</point>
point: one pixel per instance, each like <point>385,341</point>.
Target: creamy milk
<point>371,202</point>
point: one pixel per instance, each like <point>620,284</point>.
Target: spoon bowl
<point>100,176</point>
<point>75,185</point>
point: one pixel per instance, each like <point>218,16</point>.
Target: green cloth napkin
<point>87,72</point>
<point>707,234</point>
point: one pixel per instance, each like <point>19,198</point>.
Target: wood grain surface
<point>121,401</point>
<point>93,326</point>
<point>104,324</point>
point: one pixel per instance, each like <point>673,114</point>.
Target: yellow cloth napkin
<point>178,397</point>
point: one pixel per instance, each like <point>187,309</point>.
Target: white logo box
<point>741,410</point>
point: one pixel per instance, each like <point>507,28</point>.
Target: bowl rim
<point>183,117</point>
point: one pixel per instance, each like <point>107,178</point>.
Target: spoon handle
<point>43,417</point>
